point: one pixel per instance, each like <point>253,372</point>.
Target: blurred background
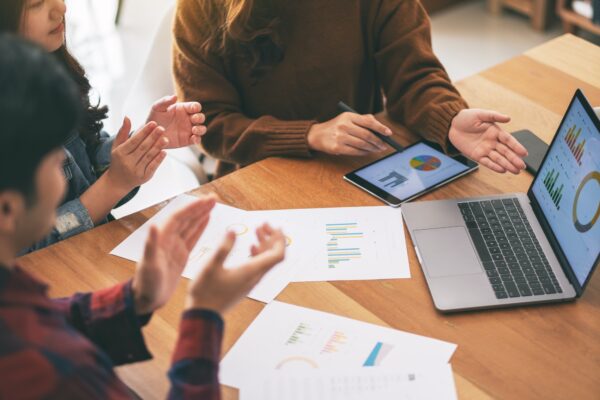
<point>125,47</point>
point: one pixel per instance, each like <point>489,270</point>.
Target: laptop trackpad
<point>447,252</point>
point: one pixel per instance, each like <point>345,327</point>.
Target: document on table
<point>428,382</point>
<point>223,218</point>
<point>293,339</point>
<point>323,244</point>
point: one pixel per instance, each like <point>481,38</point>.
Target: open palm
<point>477,135</point>
<point>166,254</point>
<point>182,121</point>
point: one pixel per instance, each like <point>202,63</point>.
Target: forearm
<point>101,197</point>
<point>234,138</point>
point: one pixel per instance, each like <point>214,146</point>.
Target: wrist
<point>312,136</point>
<point>196,304</point>
<point>117,186</point>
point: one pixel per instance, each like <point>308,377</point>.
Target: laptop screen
<point>567,189</point>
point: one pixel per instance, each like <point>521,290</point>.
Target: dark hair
<point>39,108</point>
<point>11,14</point>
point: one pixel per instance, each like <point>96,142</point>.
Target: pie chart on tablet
<point>425,163</point>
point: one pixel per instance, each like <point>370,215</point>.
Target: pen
<point>393,144</point>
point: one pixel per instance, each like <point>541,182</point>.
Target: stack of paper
<point>324,244</point>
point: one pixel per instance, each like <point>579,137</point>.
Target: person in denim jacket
<point>102,171</point>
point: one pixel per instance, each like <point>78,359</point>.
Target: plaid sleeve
<point>195,369</point>
<point>107,317</point>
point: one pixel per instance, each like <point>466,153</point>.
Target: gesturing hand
<point>166,254</point>
<point>182,121</point>
<point>218,289</point>
<point>134,159</point>
<point>476,134</point>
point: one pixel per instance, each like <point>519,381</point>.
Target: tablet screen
<point>412,171</point>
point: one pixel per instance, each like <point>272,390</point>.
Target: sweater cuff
<point>288,138</point>
<point>438,124</point>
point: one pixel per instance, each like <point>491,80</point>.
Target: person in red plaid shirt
<point>67,348</point>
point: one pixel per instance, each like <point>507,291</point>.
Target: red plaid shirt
<point>66,348</point>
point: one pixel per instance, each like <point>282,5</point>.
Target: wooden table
<point>548,352</point>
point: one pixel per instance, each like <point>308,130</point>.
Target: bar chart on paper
<point>356,243</point>
<point>344,243</point>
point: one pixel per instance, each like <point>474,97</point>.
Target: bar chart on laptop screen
<point>568,189</point>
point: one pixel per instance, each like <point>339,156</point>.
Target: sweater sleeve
<point>232,136</point>
<point>418,90</point>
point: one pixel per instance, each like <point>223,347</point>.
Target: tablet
<point>402,176</point>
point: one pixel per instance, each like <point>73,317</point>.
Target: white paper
<point>222,219</point>
<point>433,381</point>
<point>289,338</point>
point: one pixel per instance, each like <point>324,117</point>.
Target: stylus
<point>346,108</point>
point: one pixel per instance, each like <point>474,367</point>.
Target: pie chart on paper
<point>425,163</point>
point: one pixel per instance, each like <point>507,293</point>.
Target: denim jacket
<point>82,168</point>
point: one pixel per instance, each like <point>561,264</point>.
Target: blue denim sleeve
<point>72,218</point>
<point>101,158</point>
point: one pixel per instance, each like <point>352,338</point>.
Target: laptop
<point>514,249</point>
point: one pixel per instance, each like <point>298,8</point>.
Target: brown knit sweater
<point>348,50</point>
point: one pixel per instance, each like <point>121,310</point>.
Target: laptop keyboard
<point>511,254</point>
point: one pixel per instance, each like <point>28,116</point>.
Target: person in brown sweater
<point>271,72</point>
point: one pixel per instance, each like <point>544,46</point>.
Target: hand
<point>347,134</point>
<point>218,289</point>
<point>182,121</point>
<point>166,254</point>
<point>476,134</point>
<point>134,159</point>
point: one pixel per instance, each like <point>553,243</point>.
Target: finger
<point>192,107</point>
<point>138,137</point>
<point>263,262</point>
<point>485,161</point>
<point>195,214</point>
<point>153,142</point>
<point>218,259</point>
<point>370,122</point>
<point>353,141</point>
<point>164,103</point>
<point>198,130</point>
<point>123,134</point>
<point>511,156</point>
<point>198,208</point>
<point>151,243</point>
<point>367,136</point>
<point>198,118</point>
<point>499,159</point>
<point>195,234</point>
<point>509,140</point>
<point>151,154</point>
<point>492,116</point>
<point>353,151</point>
<point>153,165</point>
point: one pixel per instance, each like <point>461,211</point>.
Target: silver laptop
<point>507,250</point>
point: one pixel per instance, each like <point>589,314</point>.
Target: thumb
<point>493,116</point>
<point>123,134</point>
<point>151,243</point>
<point>164,103</point>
